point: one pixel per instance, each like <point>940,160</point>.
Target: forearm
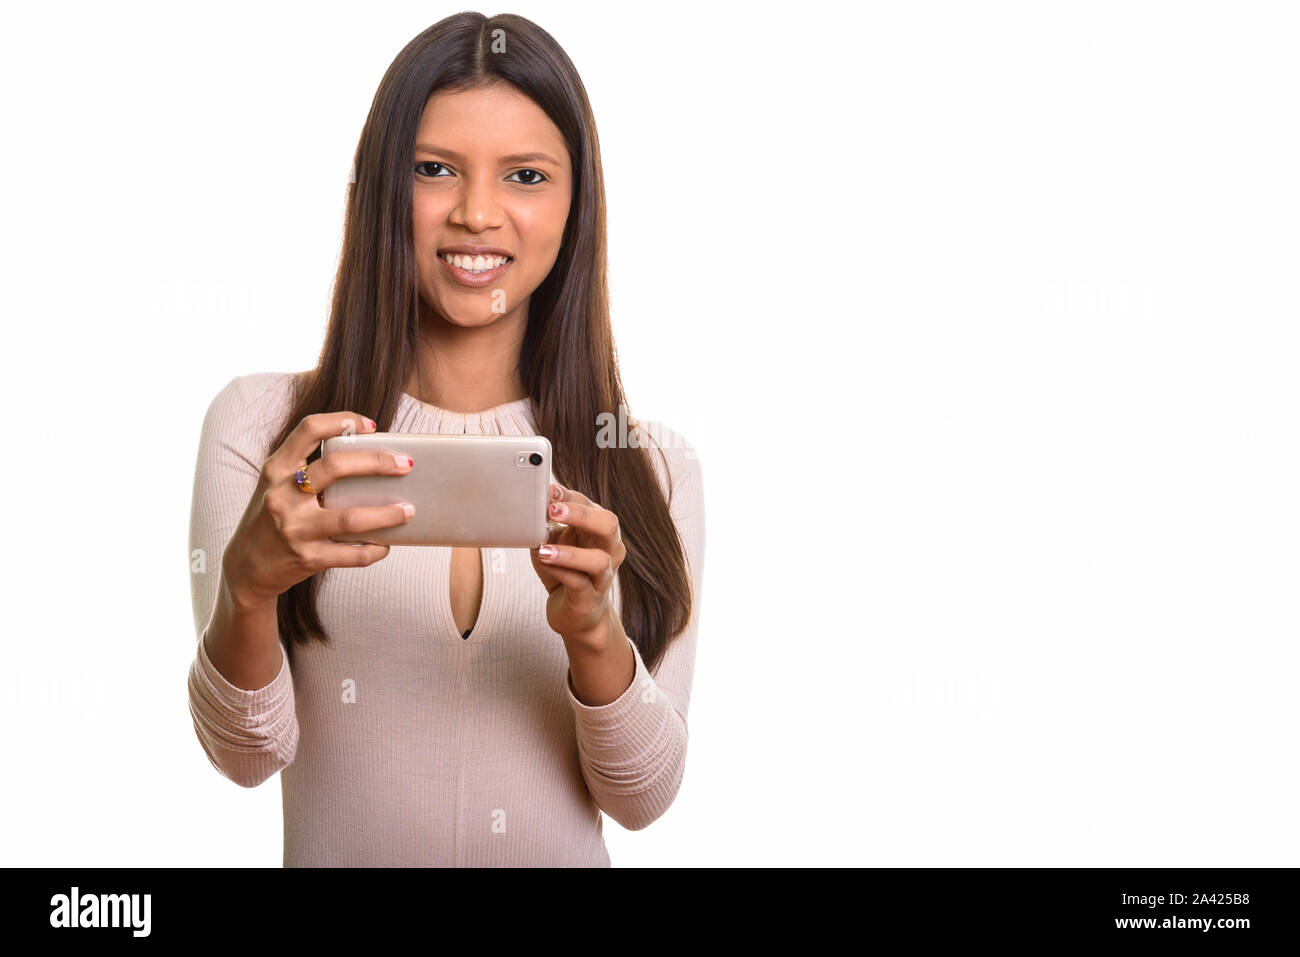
<point>601,665</point>
<point>243,640</point>
<point>631,741</point>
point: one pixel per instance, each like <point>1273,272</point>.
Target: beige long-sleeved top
<point>400,743</point>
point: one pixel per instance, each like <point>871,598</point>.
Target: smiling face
<point>492,183</point>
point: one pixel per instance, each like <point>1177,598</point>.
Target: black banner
<point>1228,908</point>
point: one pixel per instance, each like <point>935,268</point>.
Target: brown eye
<point>431,163</point>
<point>539,178</point>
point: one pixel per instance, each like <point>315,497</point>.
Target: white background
<point>981,317</point>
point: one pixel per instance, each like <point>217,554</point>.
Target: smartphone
<point>485,490</point>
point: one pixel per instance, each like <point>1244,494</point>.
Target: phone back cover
<point>466,489</point>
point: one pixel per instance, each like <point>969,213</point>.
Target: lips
<point>467,277</point>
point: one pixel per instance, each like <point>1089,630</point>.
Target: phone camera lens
<point>535,459</point>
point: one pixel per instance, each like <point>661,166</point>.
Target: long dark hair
<point>567,360</point>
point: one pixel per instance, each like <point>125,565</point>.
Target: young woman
<point>453,706</point>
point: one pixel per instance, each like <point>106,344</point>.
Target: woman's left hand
<point>587,553</point>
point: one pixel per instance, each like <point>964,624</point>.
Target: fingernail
<point>371,423</point>
<point>557,510</point>
<point>408,509</point>
<point>547,551</point>
<point>403,461</point>
<point>556,491</point>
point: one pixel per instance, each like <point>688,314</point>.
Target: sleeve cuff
<point>631,726</point>
<point>241,700</point>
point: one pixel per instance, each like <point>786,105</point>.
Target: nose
<point>478,204</point>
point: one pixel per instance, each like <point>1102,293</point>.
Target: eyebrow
<point>512,158</point>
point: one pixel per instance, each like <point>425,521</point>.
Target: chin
<point>471,318</point>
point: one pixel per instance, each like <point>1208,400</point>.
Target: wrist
<point>593,640</point>
<point>243,601</point>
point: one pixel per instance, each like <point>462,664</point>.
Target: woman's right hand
<point>284,535</point>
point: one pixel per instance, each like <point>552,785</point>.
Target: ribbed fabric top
<point>401,743</point>
<point>510,418</point>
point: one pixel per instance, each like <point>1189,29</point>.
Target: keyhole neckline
<point>487,607</point>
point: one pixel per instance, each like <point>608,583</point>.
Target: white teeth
<point>475,263</point>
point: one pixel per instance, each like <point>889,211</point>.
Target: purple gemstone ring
<point>304,485</point>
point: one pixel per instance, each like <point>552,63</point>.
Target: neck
<point>468,368</point>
